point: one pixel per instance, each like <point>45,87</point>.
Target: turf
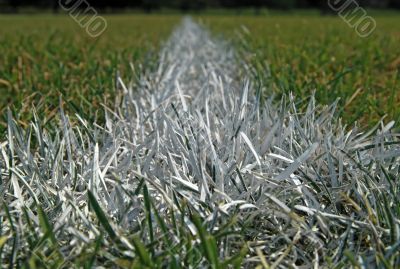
<point>193,170</point>
<point>269,186</point>
<point>301,53</point>
<point>45,56</point>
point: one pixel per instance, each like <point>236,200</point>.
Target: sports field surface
<point>209,141</point>
<point>44,56</point>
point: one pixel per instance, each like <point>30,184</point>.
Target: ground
<point>198,142</point>
<point>44,56</point>
<point>307,53</point>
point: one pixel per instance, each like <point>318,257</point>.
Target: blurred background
<point>188,5</point>
<point>292,46</point>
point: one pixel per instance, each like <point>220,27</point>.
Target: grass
<point>45,56</point>
<point>272,186</point>
<point>302,53</point>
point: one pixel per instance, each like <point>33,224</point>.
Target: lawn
<point>45,56</point>
<point>301,53</point>
<point>190,168</point>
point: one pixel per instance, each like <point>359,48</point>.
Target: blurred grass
<point>311,52</point>
<point>43,56</point>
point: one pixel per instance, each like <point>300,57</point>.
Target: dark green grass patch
<point>303,53</point>
<point>45,56</point>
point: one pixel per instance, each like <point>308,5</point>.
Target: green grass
<point>310,52</point>
<point>45,56</point>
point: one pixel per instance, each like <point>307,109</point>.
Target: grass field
<point>45,56</point>
<point>190,169</point>
<point>309,52</point>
